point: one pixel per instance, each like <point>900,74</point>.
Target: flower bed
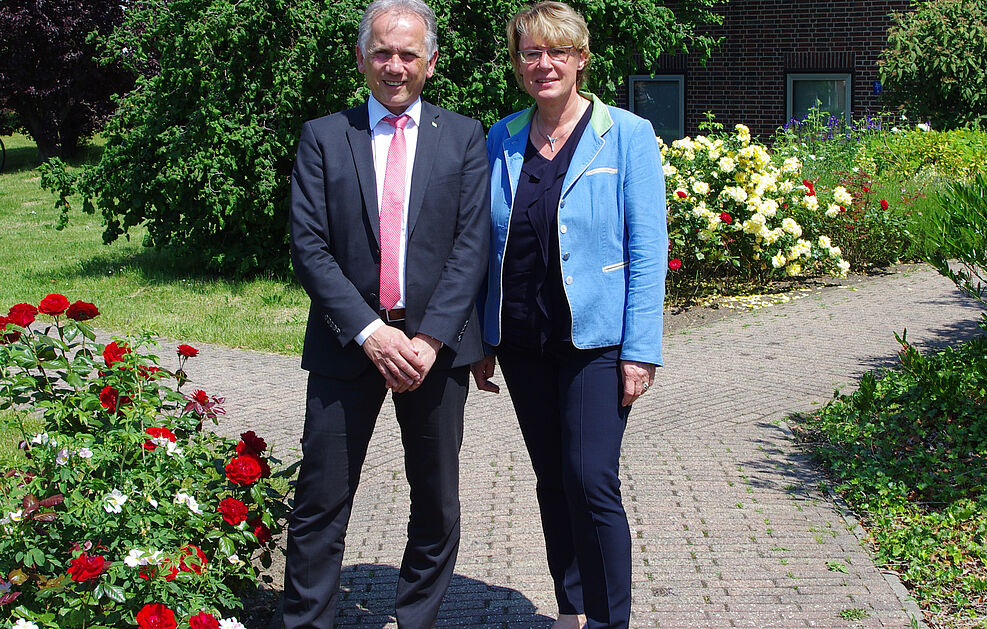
<point>123,511</point>
<point>734,211</point>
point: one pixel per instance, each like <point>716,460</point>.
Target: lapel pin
<point>435,125</point>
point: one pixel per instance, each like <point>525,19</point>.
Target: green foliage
<point>959,228</point>
<point>201,151</point>
<point>910,152</point>
<point>935,65</point>
<point>906,450</point>
<point>122,480</point>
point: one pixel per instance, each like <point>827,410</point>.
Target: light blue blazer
<point>613,241</point>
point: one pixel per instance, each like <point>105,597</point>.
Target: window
<point>829,92</point>
<point>660,99</point>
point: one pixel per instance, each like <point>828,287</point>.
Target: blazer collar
<point>427,151</point>
<point>359,138</point>
<point>588,147</point>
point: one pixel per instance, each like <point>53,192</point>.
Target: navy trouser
<point>339,421</point>
<point>568,405</point>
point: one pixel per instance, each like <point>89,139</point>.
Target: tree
<point>49,74</point>
<point>201,152</point>
<point>935,65</point>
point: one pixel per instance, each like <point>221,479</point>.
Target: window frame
<point>792,77</point>
<point>679,79</point>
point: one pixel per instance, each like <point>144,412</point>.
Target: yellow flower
<point>791,165</point>
<point>727,164</point>
<point>842,196</point>
<point>832,211</point>
<point>824,242</point>
<point>793,269</point>
<point>778,260</point>
<point>790,226</point>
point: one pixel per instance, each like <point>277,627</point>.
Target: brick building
<point>777,58</point>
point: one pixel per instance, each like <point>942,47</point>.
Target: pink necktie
<point>392,214</point>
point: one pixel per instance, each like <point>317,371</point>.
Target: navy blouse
<point>535,311</point>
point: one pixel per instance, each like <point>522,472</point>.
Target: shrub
<point>935,65</point>
<point>122,504</point>
<point>959,230</point>
<point>733,211</point>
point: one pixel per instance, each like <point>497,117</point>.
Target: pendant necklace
<point>551,140</point>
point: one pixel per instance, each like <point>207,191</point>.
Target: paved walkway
<point>729,524</point>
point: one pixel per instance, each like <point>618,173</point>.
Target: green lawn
<point>135,288</point>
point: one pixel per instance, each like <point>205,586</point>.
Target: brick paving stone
<point>730,526</point>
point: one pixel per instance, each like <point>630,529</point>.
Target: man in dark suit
<point>389,237</point>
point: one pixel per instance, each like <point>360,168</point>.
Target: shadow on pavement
<point>367,600</point>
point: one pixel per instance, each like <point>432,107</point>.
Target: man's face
<point>396,64</point>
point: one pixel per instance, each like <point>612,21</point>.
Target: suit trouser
<point>339,421</point>
<point>568,406</point>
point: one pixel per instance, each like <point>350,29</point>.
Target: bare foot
<point>569,621</point>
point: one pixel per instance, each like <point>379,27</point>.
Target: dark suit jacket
<point>335,239</point>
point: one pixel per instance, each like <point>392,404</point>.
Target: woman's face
<point>546,79</point>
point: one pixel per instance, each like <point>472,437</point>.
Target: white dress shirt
<point>382,133</point>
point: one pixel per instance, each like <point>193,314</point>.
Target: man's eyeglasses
<point>559,53</point>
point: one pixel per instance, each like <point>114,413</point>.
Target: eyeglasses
<point>559,53</point>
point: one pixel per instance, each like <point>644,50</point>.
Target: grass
<point>907,451</point>
<point>135,288</point>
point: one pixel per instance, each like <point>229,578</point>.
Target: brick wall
<point>764,40</point>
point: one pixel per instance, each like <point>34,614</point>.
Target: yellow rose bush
<point>734,210</point>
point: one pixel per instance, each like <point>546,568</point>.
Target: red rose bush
<point>122,511</point>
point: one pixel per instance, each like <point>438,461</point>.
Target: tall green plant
<point>200,152</point>
<point>936,62</point>
<point>959,227</point>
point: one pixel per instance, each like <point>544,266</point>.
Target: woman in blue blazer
<point>572,309</point>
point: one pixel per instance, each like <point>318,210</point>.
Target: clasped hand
<point>404,362</point>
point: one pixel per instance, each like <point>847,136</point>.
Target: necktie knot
<point>398,122</point>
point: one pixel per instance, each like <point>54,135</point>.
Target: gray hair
<point>414,7</point>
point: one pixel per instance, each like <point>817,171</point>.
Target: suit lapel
<point>359,137</point>
<point>425,155</point>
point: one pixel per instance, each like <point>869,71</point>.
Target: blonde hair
<point>556,24</point>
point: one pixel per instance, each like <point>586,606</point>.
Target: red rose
<point>187,351</point>
<point>262,533</point>
<point>806,183</point>
<point>197,565</point>
<point>202,620</point>
<point>82,311</point>
<point>157,431</point>
<point>7,337</point>
<point>22,314</point>
<point>148,372</point>
<point>232,510</point>
<point>726,218</point>
<point>86,567</point>
<point>53,304</point>
<point>884,204</point>
<point>114,353</point>
<point>200,396</point>
<point>865,188</point>
<point>675,264</point>
<point>251,443</point>
<point>156,616</point>
<point>109,398</point>
<point>244,469</point>
<point>681,193</point>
